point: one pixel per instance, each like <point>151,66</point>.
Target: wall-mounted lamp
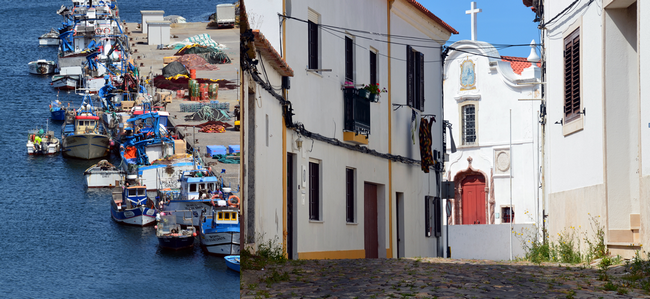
<point>560,122</point>
<point>299,142</point>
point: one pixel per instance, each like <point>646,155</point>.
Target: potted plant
<point>374,91</point>
<point>348,84</point>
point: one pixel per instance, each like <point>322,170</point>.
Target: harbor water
<point>58,238</point>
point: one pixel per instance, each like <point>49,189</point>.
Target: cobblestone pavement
<point>428,278</point>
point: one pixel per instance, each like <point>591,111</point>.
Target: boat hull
<point>103,178</point>
<point>41,68</point>
<point>232,262</point>
<point>48,41</point>
<point>51,149</point>
<point>176,243</point>
<point>139,216</point>
<point>220,243</point>
<point>57,114</point>
<point>86,146</point>
<point>65,82</point>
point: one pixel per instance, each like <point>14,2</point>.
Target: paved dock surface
<point>427,278</point>
<point>149,59</point>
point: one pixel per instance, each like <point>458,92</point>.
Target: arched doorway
<point>473,199</point>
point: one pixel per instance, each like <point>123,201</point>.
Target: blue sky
<point>500,22</point>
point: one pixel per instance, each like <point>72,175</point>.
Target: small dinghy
<point>232,261</point>
<point>41,67</point>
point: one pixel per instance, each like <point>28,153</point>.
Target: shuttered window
<point>349,195</point>
<point>373,68</point>
<point>572,76</point>
<point>312,48</point>
<point>314,191</point>
<point>349,59</point>
<point>414,78</point>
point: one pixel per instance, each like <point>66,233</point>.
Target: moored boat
<point>41,67</point>
<point>219,231</point>
<point>131,205</point>
<point>65,82</point>
<point>41,142</point>
<point>57,110</point>
<point>175,231</point>
<point>49,39</point>
<point>232,261</point>
<point>103,174</point>
<point>83,135</point>
<point>199,189</point>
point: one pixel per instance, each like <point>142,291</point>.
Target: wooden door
<point>371,236</point>
<point>290,200</point>
<point>473,199</point>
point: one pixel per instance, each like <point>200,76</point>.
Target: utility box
<point>225,15</point>
<point>150,15</point>
<point>158,32</point>
<point>448,190</point>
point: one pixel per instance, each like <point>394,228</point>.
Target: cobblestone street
<point>429,278</point>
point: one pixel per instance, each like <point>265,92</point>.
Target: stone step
<point>625,250</point>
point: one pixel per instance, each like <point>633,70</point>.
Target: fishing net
<point>195,61</point>
<point>209,114</point>
<point>173,69</point>
<point>211,54</point>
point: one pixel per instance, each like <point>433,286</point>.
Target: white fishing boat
<point>219,231</point>
<point>49,39</point>
<point>103,174</point>
<point>83,134</point>
<point>41,67</point>
<point>42,142</point>
<point>65,82</point>
<point>200,190</point>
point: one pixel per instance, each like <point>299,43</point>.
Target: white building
<point>327,172</point>
<point>598,136</point>
<point>492,103</point>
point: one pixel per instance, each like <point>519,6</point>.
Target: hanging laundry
<point>425,144</point>
<point>414,124</point>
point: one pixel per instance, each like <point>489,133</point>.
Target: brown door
<point>371,237</point>
<point>473,188</point>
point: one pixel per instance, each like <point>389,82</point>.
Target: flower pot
<point>364,93</point>
<point>373,97</point>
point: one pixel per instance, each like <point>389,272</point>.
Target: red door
<point>473,200</point>
<point>371,236</point>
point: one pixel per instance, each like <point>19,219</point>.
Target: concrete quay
<point>149,59</point>
<point>429,278</point>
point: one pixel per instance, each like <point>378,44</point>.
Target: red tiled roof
<point>518,64</point>
<point>271,55</point>
<point>432,16</point>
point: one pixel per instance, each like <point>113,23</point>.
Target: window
<point>349,59</point>
<point>505,215</point>
<point>373,68</point>
<point>314,191</point>
<point>349,195</point>
<point>313,40</point>
<point>427,216</point>
<point>192,187</point>
<point>572,76</point>
<point>414,78</point>
<point>469,124</point>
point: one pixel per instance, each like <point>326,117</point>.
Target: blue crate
<point>216,150</point>
<point>233,149</point>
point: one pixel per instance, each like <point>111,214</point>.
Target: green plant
<point>374,88</point>
<point>596,249</point>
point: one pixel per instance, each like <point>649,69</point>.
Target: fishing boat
<point>199,190</point>
<point>57,111</point>
<point>42,142</point>
<point>232,261</point>
<point>49,39</point>
<point>219,231</point>
<point>131,205</point>
<point>175,231</point>
<point>83,135</point>
<point>41,67</point>
<point>103,174</point>
<point>67,79</point>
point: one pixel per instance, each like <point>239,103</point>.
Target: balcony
<point>357,116</point>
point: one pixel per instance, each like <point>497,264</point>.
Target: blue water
<point>57,238</point>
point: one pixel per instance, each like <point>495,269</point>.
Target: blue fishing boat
<point>57,110</point>
<point>131,205</point>
<point>232,261</point>
<point>175,231</point>
<point>219,231</point>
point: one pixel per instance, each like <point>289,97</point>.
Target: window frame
<point>415,78</point>
<point>571,66</point>
<point>372,63</point>
<point>315,202</point>
<point>428,227</point>
<point>350,195</point>
<point>313,40</point>
<point>349,59</point>
<point>462,128</point>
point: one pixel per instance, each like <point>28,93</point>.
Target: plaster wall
<point>577,160</point>
<point>574,208</point>
<point>486,242</point>
<point>263,15</point>
<point>644,89</point>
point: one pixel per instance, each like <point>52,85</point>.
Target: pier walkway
<point>149,59</point>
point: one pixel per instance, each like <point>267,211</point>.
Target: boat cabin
<point>227,217</point>
<point>198,184</point>
<point>136,195</point>
<point>86,123</point>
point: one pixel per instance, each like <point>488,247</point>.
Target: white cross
<point>473,12</point>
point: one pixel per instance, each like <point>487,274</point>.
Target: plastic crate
<point>233,149</point>
<point>215,150</point>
